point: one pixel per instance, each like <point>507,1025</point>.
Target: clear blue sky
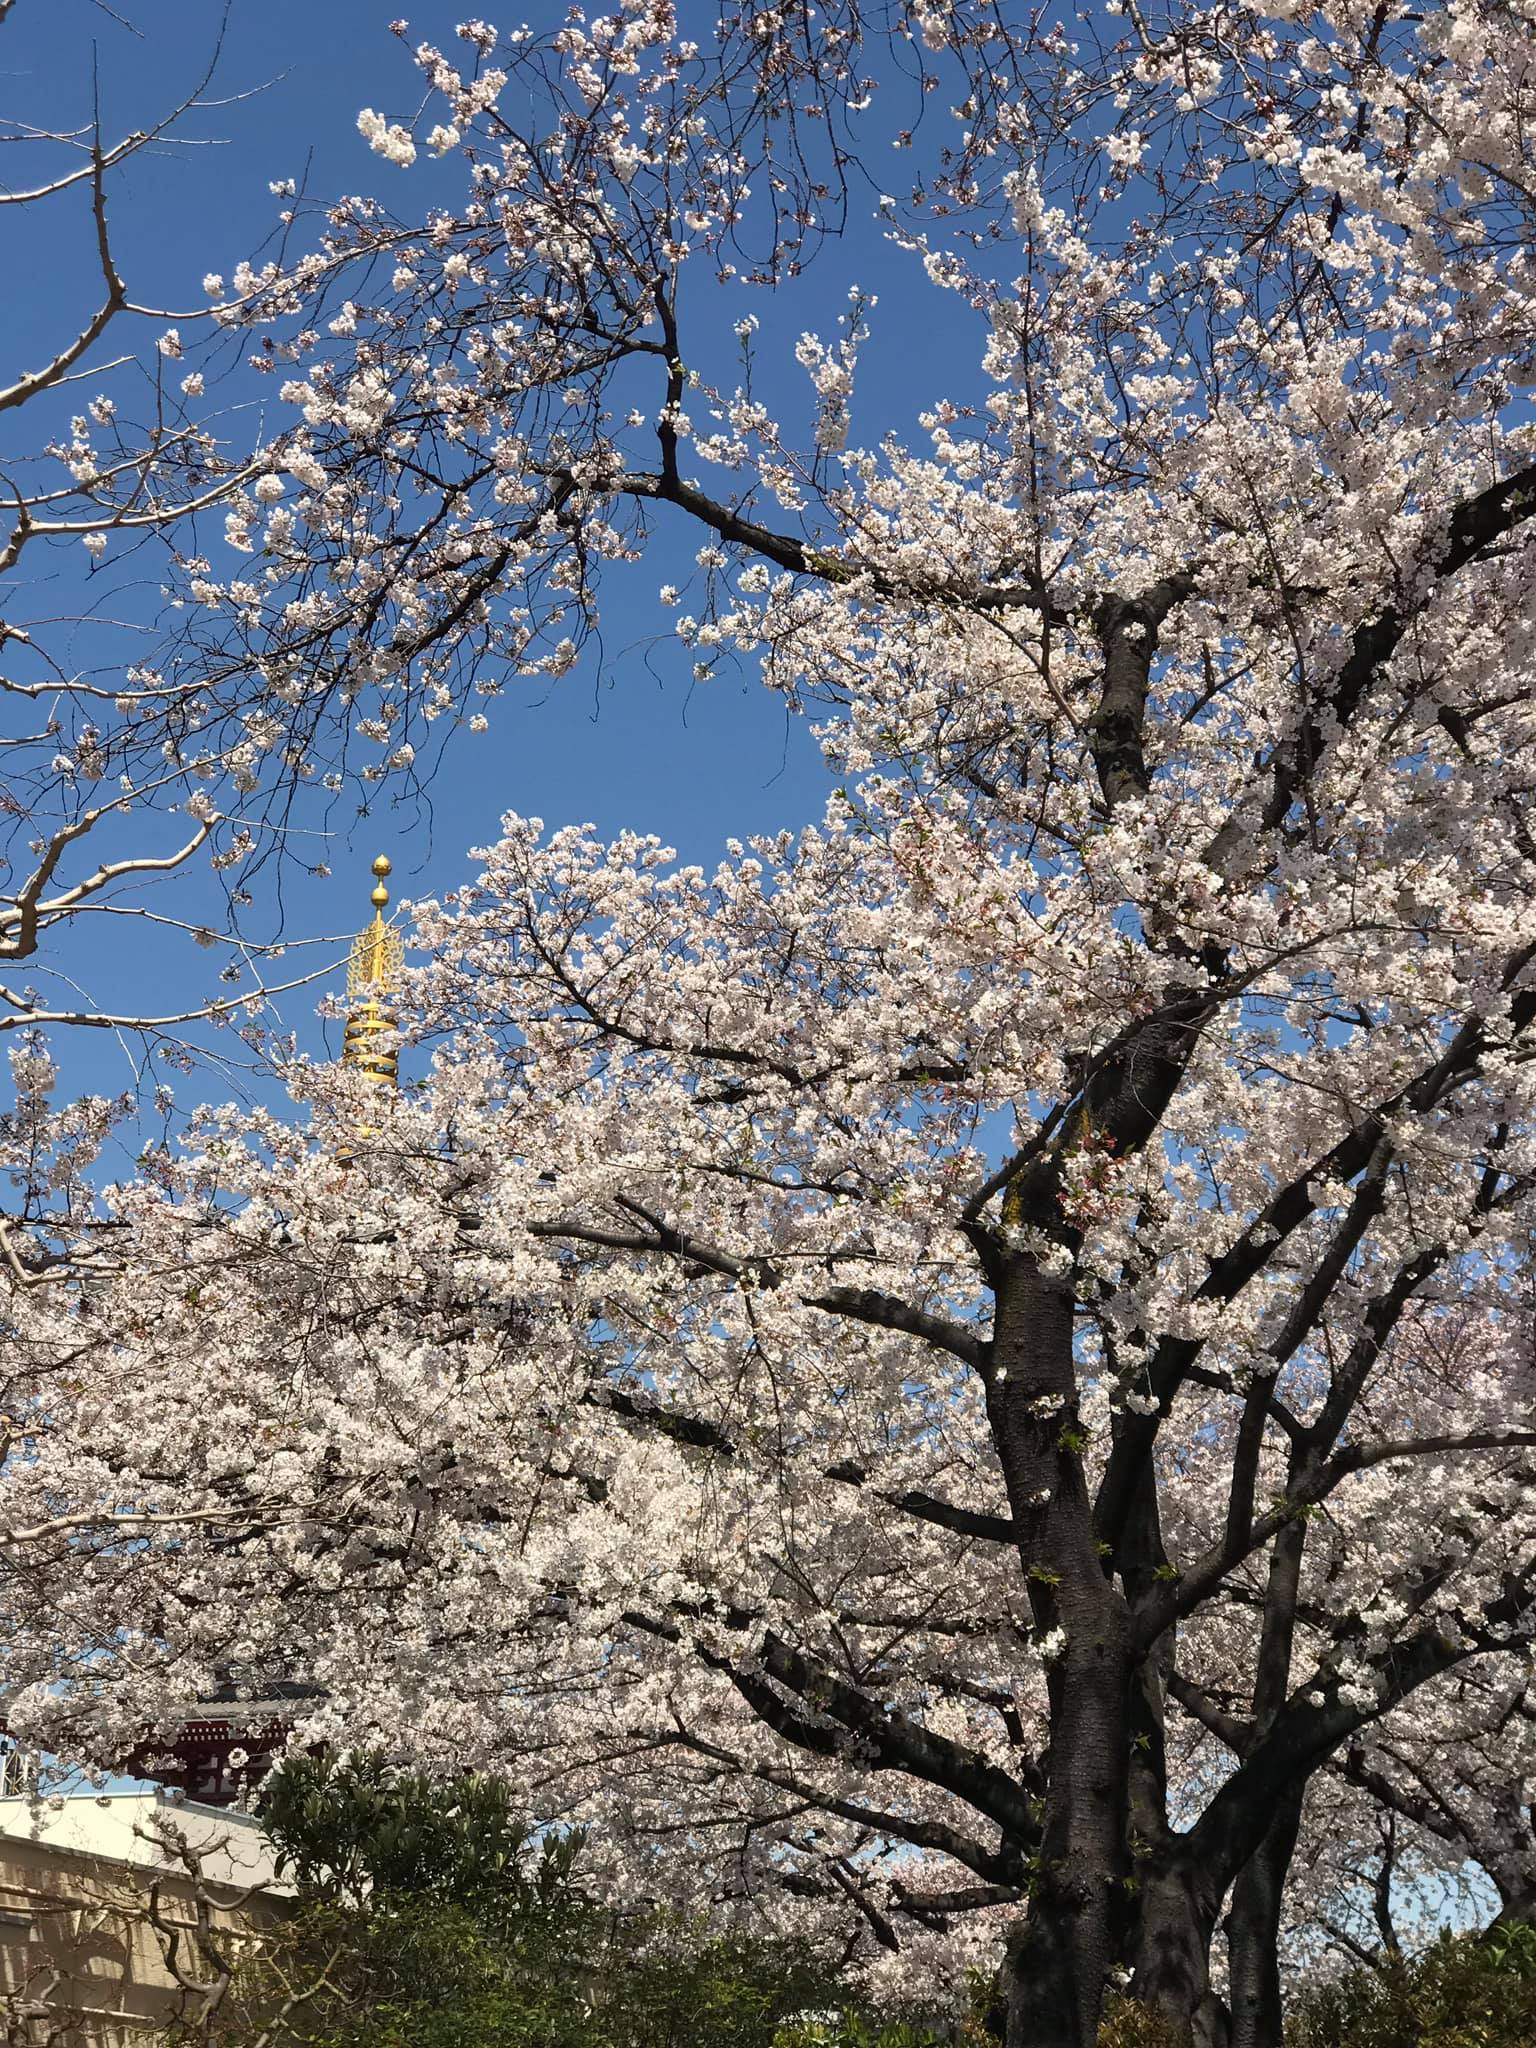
<point>635,744</point>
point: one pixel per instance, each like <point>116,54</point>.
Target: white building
<point>99,1889</point>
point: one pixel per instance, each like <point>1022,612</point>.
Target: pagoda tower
<point>374,966</point>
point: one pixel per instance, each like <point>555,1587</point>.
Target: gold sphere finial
<point>380,895</point>
<point>383,864</point>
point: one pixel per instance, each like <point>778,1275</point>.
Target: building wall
<point>81,1963</point>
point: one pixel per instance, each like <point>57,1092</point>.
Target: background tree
<point>347,1826</point>
<point>1428,1812</point>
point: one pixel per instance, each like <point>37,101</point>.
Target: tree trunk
<point>1253,1932</point>
<point>1258,1891</point>
<point>1059,1964</point>
<point>1175,1924</point>
<point>1213,2023</point>
<point>1513,1873</point>
<point>1517,1905</point>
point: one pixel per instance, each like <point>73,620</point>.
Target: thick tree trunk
<point>1517,1904</point>
<point>1175,1924</point>
<point>1059,1965</point>
<point>1253,1932</point>
<point>1169,1936</point>
<point>1058,1968</point>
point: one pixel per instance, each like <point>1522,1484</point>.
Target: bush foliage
<point>431,1916</point>
<point>419,1972</point>
<point>1463,1992</point>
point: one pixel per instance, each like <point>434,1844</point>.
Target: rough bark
<point>1175,1924</point>
<point>1169,1936</point>
<point>1060,1965</point>
<point>1253,1931</point>
<point>1057,1969</point>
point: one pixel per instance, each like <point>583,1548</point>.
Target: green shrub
<point>1128,2025</point>
<point>352,1826</point>
<point>430,1916</point>
<point>421,1972</point>
<point>1463,1992</point>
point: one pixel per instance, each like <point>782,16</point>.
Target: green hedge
<point>420,1972</point>
<point>1464,1992</point>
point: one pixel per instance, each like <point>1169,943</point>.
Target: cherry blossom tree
<point>902,1380</point>
<point>578,1425</point>
<point>1426,1812</point>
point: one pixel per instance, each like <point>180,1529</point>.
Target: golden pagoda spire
<point>376,960</point>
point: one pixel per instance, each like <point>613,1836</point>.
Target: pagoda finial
<point>376,960</point>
